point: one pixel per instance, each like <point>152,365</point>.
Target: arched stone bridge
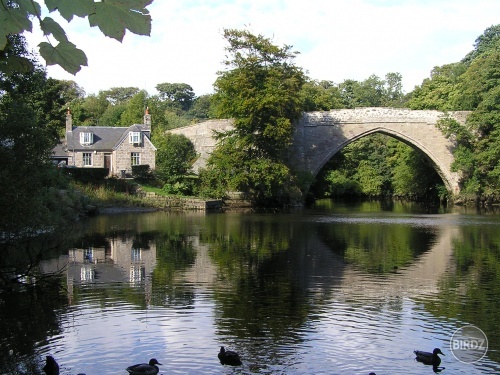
<point>320,135</point>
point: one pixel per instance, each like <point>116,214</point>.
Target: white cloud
<point>337,39</point>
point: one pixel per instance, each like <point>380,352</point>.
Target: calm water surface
<point>333,289</point>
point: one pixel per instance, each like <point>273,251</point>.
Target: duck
<point>228,357</point>
<point>145,368</point>
<point>429,358</point>
<point>51,367</point>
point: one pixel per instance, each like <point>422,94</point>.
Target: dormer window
<point>86,138</point>
<point>134,137</point>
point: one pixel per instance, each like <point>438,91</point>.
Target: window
<point>136,255</point>
<point>86,138</point>
<point>87,159</point>
<point>134,137</point>
<point>135,158</point>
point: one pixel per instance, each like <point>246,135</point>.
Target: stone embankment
<point>181,203</point>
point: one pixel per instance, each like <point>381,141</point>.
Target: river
<point>332,289</point>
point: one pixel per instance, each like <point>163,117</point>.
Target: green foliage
<point>373,92</point>
<point>87,175</point>
<point>477,152</point>
<point>440,91</point>
<point>320,96</point>
<point>376,166</point>
<point>134,112</point>
<point>142,173</point>
<point>200,109</point>
<point>369,178</point>
<point>120,95</point>
<point>113,18</point>
<point>174,157</point>
<point>179,94</point>
<point>262,93</point>
<point>112,115</point>
<point>338,184</point>
<point>485,42</point>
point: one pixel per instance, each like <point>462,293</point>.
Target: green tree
<point>120,95</point>
<point>27,180</point>
<point>200,109</point>
<point>134,111</point>
<point>440,91</point>
<point>320,96</point>
<point>373,92</point>
<point>174,158</point>
<point>113,17</point>
<point>92,108</point>
<point>180,95</point>
<point>393,90</point>
<point>485,42</point>
<point>112,115</point>
<point>261,92</point>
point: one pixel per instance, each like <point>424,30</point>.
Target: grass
<point>107,196</point>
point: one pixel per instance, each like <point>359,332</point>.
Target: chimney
<point>147,119</point>
<point>69,121</point>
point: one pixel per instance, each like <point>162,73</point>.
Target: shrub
<point>142,173</point>
<point>87,175</point>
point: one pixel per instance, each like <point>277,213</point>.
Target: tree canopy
<point>261,92</point>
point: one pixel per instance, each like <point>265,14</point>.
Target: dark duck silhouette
<point>145,368</point>
<point>228,357</point>
<point>51,367</point>
<point>431,359</point>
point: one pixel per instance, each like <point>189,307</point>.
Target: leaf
<point>114,17</point>
<point>12,21</point>
<point>29,6</point>
<point>65,54</point>
<point>68,9</point>
<point>49,26</point>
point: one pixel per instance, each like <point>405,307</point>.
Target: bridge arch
<point>435,162</point>
<point>320,135</point>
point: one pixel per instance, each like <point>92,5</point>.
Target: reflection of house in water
<point>118,259</point>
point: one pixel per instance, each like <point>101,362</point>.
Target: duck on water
<point>228,357</point>
<point>145,368</point>
<point>431,359</point>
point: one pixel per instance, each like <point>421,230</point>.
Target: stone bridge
<point>319,136</point>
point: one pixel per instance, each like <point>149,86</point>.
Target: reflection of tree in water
<point>471,293</point>
<point>174,253</point>
<point>267,283</point>
<point>377,248</point>
<point>29,313</point>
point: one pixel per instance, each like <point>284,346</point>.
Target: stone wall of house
<point>97,159</point>
<point>122,156</point>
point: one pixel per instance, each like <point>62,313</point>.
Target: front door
<point>107,162</point>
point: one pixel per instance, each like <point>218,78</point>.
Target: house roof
<point>105,138</point>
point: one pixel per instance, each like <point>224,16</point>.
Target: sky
<point>336,39</point>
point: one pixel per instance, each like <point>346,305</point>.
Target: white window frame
<point>86,138</point>
<point>87,159</point>
<point>134,137</point>
<point>135,158</point>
